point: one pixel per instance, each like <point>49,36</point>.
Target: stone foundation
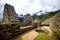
<point>8,30</point>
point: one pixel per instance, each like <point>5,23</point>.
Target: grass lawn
<point>43,36</point>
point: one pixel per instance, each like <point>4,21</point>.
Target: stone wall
<point>55,23</point>
<point>9,14</point>
<point>27,20</point>
<point>10,25</point>
<point>7,31</point>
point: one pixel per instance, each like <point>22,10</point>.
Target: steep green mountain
<point>48,15</point>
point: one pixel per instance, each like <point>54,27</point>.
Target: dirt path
<point>27,36</point>
<point>30,35</point>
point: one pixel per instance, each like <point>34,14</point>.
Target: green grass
<point>43,36</point>
<point>55,36</point>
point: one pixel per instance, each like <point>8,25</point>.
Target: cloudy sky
<point>31,6</point>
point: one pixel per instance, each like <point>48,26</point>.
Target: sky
<point>31,6</point>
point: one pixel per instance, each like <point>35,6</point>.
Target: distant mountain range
<point>46,15</point>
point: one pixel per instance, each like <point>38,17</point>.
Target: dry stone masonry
<point>9,14</point>
<point>10,25</point>
<point>55,23</point>
<point>37,22</point>
<point>27,20</point>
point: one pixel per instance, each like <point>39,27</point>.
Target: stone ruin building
<point>36,22</point>
<point>10,25</point>
<point>9,14</point>
<point>55,23</point>
<point>27,20</point>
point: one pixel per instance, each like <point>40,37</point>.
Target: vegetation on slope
<point>42,17</point>
<point>46,15</point>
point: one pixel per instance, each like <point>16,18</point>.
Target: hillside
<point>47,21</point>
<point>48,15</point>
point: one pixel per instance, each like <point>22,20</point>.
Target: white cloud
<point>32,6</point>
